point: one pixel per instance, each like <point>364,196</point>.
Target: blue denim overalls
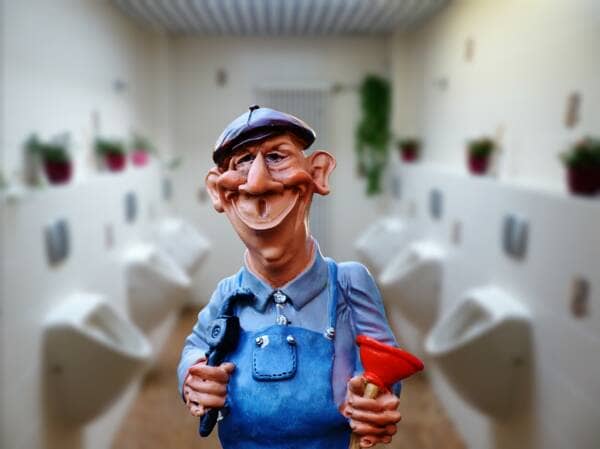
<point>280,394</point>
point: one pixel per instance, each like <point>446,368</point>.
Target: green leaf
<point>105,147</point>
<point>54,150</point>
<point>373,131</point>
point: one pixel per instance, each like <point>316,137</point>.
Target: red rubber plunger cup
<point>384,365</point>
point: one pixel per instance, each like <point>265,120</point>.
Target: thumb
<point>356,385</point>
<point>228,366</point>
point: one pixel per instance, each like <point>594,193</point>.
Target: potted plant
<point>373,132</point>
<point>409,149</point>
<point>112,153</point>
<point>141,148</point>
<point>582,161</point>
<point>478,154</point>
<point>54,157</point>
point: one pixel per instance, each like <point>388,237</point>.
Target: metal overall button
<point>276,358</point>
<point>262,341</point>
<point>330,333</point>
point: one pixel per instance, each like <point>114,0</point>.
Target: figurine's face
<point>266,188</point>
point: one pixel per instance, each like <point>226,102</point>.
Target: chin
<point>272,253</point>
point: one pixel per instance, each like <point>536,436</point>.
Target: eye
<point>244,160</point>
<point>274,157</point>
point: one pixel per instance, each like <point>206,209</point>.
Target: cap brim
<point>255,138</point>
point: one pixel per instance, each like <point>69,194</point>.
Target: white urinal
<point>92,354</point>
<point>156,284</point>
<point>182,242</point>
<point>411,283</point>
<point>480,346</point>
<point>380,242</point>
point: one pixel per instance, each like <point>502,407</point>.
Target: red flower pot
<point>409,154</point>
<point>58,172</point>
<point>139,158</point>
<point>478,165</point>
<point>584,180</point>
<point>115,161</point>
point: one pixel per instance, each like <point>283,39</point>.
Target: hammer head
<point>384,365</point>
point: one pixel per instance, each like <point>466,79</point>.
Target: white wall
<point>59,61</point>
<point>200,111</point>
<point>555,395</point>
<point>529,55</point>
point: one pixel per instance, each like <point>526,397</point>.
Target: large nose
<point>259,180</point>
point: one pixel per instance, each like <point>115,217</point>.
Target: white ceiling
<point>280,17</point>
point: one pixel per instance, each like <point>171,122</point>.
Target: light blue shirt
<point>359,311</point>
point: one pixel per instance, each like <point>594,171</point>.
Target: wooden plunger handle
<point>371,392</point>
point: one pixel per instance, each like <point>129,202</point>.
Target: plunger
<point>384,365</point>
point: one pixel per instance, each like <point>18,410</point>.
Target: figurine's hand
<point>373,419</point>
<point>206,386</point>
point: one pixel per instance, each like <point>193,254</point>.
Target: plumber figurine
<point>293,379</point>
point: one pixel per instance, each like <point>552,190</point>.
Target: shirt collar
<point>300,290</point>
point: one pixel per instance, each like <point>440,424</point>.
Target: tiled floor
<point>158,420</point>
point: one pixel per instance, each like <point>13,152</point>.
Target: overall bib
<point>280,394</point>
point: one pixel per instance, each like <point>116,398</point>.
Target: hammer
<point>384,365</point>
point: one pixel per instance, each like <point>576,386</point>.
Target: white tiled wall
<point>60,61</point>
<point>529,56</point>
<point>31,288</point>
<point>563,243</point>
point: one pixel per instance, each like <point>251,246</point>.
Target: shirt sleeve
<point>196,346</point>
<point>366,306</point>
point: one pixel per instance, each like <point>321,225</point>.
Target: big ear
<point>321,166</point>
<point>213,190</point>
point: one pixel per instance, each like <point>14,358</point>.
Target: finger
<point>371,405</point>
<point>215,373</point>
<point>379,419</point>
<point>346,410</point>
<point>196,409</point>
<point>356,385</point>
<point>207,386</point>
<point>207,400</point>
<point>368,441</point>
<point>386,401</point>
<point>188,395</point>
<point>372,440</point>
<point>389,401</point>
<point>365,429</point>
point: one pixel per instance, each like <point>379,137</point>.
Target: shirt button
<point>279,297</point>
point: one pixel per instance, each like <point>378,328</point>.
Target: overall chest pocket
<point>274,357</point>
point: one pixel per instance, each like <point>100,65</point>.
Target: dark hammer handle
<point>208,422</point>
<point>210,417</point>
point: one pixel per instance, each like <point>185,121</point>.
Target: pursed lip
<point>267,211</point>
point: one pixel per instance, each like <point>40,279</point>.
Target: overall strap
<point>229,306</point>
<point>332,298</point>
